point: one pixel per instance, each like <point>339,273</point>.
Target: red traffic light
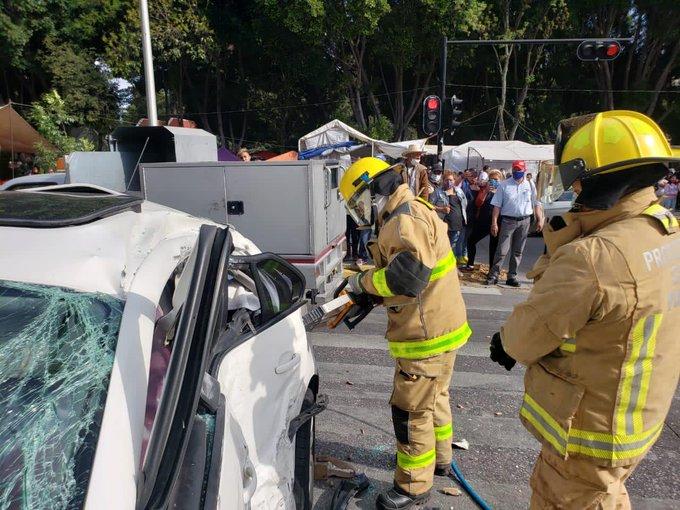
<point>599,50</point>
<point>613,50</point>
<point>432,103</point>
<point>432,115</point>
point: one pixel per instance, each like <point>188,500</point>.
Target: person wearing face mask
<point>514,203</point>
<point>415,277</point>
<point>455,217</point>
<point>599,333</point>
<point>481,213</point>
<point>416,174</point>
<point>437,197</point>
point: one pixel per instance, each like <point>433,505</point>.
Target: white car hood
<point>102,256</point>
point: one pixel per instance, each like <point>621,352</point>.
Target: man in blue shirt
<point>514,202</point>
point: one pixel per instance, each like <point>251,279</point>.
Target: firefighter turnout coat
<point>417,278</point>
<point>600,333</point>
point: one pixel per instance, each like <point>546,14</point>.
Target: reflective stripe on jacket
<point>599,335</point>
<point>432,319</point>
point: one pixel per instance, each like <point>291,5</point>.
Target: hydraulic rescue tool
<point>346,307</point>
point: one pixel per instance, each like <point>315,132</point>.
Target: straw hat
<point>412,149</point>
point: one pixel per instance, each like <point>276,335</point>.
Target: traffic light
<point>599,50</point>
<point>432,115</point>
<point>456,105</point>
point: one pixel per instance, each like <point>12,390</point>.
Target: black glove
<point>498,354</point>
<point>363,302</point>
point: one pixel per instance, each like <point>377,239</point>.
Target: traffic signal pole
<point>442,78</point>
<point>491,42</point>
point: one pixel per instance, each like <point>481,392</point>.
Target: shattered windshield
<point>56,353</point>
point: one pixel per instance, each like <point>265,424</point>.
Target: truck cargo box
<point>292,208</point>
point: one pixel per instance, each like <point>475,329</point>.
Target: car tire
<point>303,488</point>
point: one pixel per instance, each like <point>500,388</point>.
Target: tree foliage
<point>264,72</point>
<point>52,120</point>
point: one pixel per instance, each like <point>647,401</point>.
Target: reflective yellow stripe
<point>406,461</point>
<point>635,374</point>
<point>443,266</point>
<point>443,432</point>
<point>666,217</point>
<point>380,283</point>
<point>645,362</point>
<point>418,349</point>
<point>569,345</point>
<point>600,445</point>
<point>544,423</point>
<point>612,447</point>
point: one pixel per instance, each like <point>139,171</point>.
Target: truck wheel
<point>303,488</point>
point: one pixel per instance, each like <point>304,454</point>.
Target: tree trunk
<point>529,71</point>
<point>663,77</point>
<point>399,99</point>
<point>218,108</point>
<point>503,62</point>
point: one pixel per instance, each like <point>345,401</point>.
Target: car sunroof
<point>45,210</point>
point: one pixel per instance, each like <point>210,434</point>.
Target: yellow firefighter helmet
<point>605,142</point>
<point>354,187</point>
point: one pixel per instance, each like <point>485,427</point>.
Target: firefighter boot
<point>397,499</point>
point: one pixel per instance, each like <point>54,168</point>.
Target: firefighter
<point>599,332</point>
<point>415,276</point>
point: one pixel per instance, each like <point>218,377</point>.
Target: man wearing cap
<point>416,174</point>
<point>514,202</point>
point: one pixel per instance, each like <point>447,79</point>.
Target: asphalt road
<point>356,374</point>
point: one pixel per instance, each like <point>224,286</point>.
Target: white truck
<point>291,208</point>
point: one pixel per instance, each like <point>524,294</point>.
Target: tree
<point>52,120</point>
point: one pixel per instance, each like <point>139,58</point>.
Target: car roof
<point>53,178</point>
<point>61,206</point>
<point>100,251</point>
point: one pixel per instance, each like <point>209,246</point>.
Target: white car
<point>148,359</point>
<point>33,181</point>
<point>560,206</point>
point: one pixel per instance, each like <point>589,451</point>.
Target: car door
<point>194,439</point>
<point>263,371</point>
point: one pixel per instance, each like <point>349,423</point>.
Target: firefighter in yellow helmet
<point>416,278</point>
<point>599,332</point>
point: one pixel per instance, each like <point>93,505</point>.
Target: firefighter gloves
<point>498,354</point>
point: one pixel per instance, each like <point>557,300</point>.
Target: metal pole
<point>148,65</point>
<point>11,138</point>
<point>442,63</point>
<point>488,42</point>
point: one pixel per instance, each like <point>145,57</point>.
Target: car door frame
<point>195,332</point>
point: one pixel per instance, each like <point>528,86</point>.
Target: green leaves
<point>51,118</point>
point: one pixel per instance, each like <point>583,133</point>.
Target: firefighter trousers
<point>421,415</point>
<point>575,483</point>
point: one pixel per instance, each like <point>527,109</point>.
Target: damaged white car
<point>148,359</point>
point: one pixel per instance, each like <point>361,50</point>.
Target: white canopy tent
<point>337,132</point>
<point>476,154</point>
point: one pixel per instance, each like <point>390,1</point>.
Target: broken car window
<point>56,354</point>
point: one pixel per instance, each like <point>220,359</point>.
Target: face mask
<point>436,178</point>
<point>493,183</point>
<point>517,175</point>
<point>448,185</point>
<point>415,161</point>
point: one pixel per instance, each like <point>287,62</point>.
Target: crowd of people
<point>475,205</point>
<point>667,191</point>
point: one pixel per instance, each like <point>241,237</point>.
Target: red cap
<point>519,165</point>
